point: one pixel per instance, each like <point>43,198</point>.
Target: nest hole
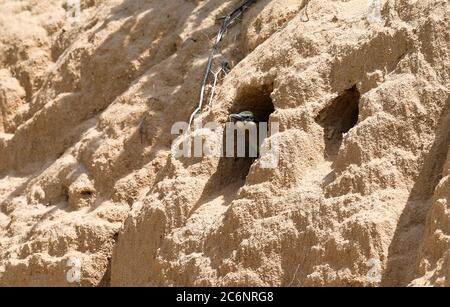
<point>235,169</point>
<point>338,118</point>
<point>86,193</point>
<point>256,100</point>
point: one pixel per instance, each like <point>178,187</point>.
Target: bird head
<point>245,116</point>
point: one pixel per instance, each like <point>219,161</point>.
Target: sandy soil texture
<point>361,194</point>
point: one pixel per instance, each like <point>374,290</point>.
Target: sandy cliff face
<point>361,193</point>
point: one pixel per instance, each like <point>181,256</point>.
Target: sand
<point>88,181</point>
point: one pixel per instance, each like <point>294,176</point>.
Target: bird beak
<point>235,118</point>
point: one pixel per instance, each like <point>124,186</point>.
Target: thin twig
<point>294,276</point>
<point>305,9</point>
<point>216,77</point>
<point>228,21</point>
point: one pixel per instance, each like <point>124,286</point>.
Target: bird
<point>244,120</point>
<point>245,117</point>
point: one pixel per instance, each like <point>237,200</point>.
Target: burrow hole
<point>234,169</point>
<point>338,118</point>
